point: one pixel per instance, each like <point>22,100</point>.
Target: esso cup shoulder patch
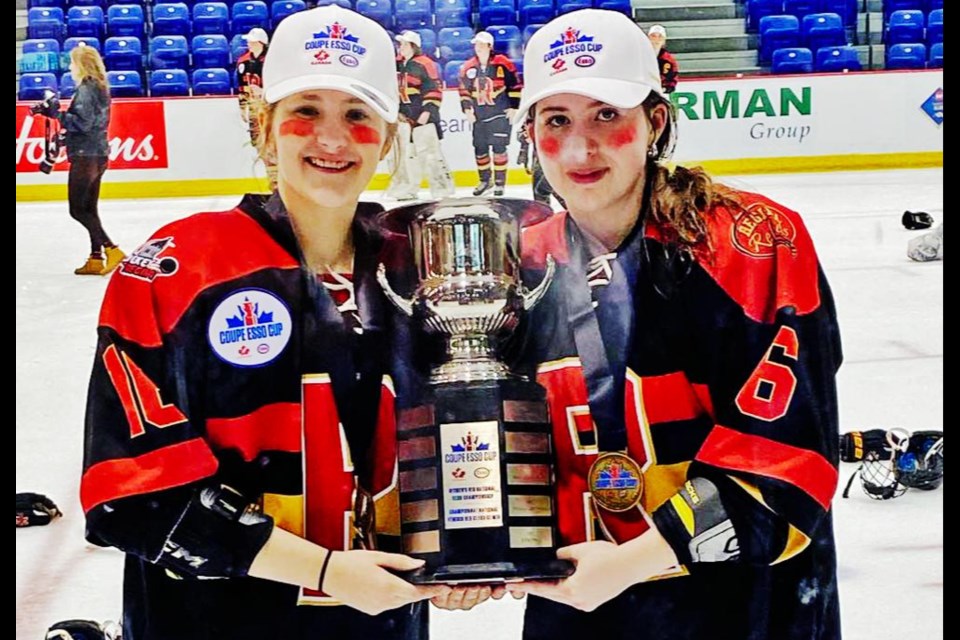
<point>249,328</point>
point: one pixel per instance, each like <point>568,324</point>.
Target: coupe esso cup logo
<point>137,138</point>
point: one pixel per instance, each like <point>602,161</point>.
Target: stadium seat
<point>346,4</point>
<point>932,5</point>
<point>846,9</point>
<point>428,41</point>
<point>936,56</point>
<point>169,82</point>
<point>935,27</point>
<point>800,8</point>
<point>126,20</point>
<point>777,32</point>
<point>87,3</point>
<point>830,59</point>
<point>623,6</point>
<point>905,27</point>
<point>566,6</point>
<point>499,12</point>
<point>123,54</point>
<point>238,47</point>
<point>451,72</point>
<point>380,11</point>
<point>211,82</point>
<point>43,52</point>
<point>822,30</point>
<point>535,12</point>
<point>210,51</point>
<point>906,56</point>
<point>281,9</point>
<point>889,6</point>
<point>32,85</point>
<point>45,22</point>
<point>528,32</point>
<point>169,52</point>
<point>171,19</point>
<point>211,17</point>
<point>68,86</point>
<point>792,60</point>
<point>507,40</point>
<point>47,3</point>
<point>72,43</point>
<point>85,22</point>
<point>413,14</point>
<point>247,15</point>
<point>518,63</point>
<point>125,84</point>
<point>452,13</point>
<point>757,9</point>
<point>454,43</point>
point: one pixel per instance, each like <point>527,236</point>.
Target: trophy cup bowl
<point>475,450</point>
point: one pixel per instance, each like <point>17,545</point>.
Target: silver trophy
<point>475,452</point>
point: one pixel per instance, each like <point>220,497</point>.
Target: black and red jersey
<point>669,70</point>
<point>489,89</point>
<point>421,88</point>
<point>223,359</point>
<point>250,71</point>
<point>727,362</point>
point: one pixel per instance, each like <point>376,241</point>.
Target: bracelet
<point>323,569</point>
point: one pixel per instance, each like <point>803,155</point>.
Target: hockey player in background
<point>669,68</point>
<point>250,89</point>
<point>421,91</point>
<point>689,347</point>
<point>239,422</point>
<point>489,95</point>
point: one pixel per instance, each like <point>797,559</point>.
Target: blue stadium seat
<point>210,51</point>
<point>906,56</point>
<point>518,63</point>
<point>428,41</point>
<point>169,52</point>
<point>535,12</point>
<point>87,3</point>
<point>932,5</point>
<point>380,11</point>
<point>528,32</point>
<point>47,3</point>
<point>72,43</point>
<point>68,86</point>
<point>792,60</point>
<point>497,12</point>
<point>905,27</point>
<point>800,8</point>
<point>211,17</point>
<point>830,59</point>
<point>451,72</point>
<point>757,9</point>
<point>247,15</point>
<point>125,84</point>
<point>623,6</point>
<point>169,82</point>
<point>507,40</point>
<point>935,27</point>
<point>452,13</point>
<point>413,14</point>
<point>43,52</point>
<point>85,22</point>
<point>45,22</point>
<point>281,9</point>
<point>777,32</point>
<point>126,20</point>
<point>846,9</point>
<point>211,82</point>
<point>123,54</point>
<point>822,30</point>
<point>566,6</point>
<point>889,6</point>
<point>171,19</point>
<point>32,85</point>
<point>454,43</point>
<point>238,47</point>
<point>346,4</point>
<point>936,56</point>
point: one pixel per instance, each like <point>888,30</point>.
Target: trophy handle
<point>401,303</point>
<point>533,297</point>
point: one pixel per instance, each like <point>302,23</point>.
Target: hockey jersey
<point>420,88</point>
<point>724,368</point>
<point>489,90</point>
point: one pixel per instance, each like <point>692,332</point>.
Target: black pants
<point>494,132</point>
<point>83,191</point>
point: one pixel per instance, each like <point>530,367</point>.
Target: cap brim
<point>383,105</point>
<point>618,93</point>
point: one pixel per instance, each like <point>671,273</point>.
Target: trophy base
<point>491,572</point>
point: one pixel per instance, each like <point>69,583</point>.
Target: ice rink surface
<point>891,317</point>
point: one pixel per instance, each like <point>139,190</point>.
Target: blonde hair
<point>89,65</point>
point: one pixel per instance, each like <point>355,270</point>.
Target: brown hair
<point>89,65</point>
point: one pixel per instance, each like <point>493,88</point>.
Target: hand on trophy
<point>361,580</point>
<point>466,597</point>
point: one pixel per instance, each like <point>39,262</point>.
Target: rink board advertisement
<point>758,124</point>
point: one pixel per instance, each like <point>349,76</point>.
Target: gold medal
<point>616,481</point>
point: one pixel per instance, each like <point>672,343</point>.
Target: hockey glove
<point>35,509</point>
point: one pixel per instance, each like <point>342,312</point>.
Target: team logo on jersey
<point>249,328</point>
<point>616,481</point>
<point>760,229</point>
<point>572,42</point>
<point>471,73</point>
<point>335,38</point>
<point>148,262</point>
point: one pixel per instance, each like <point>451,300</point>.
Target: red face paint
<point>548,145</point>
<point>296,127</point>
<point>623,136</point>
<point>362,134</point>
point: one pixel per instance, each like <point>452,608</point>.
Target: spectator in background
<point>421,91</point>
<point>669,69</point>
<point>250,88</point>
<point>489,95</point>
<point>85,122</point>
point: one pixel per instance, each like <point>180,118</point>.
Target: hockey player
<point>669,68</point>
<point>421,91</point>
<point>250,78</point>
<point>239,410</point>
<point>689,348</point>
<point>489,95</point>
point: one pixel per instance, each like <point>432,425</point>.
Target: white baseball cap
<point>257,35</point>
<point>409,36</point>
<point>483,36</point>
<point>658,30</point>
<point>596,53</point>
<point>333,48</point>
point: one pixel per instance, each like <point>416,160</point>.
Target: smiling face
<point>593,154</point>
<point>327,145</point>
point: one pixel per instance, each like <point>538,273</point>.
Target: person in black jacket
<point>85,122</point>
